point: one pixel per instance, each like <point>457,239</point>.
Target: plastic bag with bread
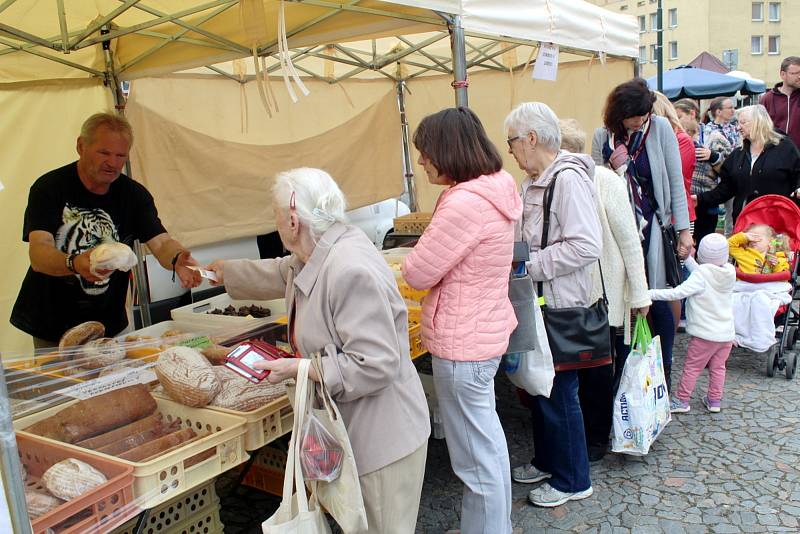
<point>111,256</point>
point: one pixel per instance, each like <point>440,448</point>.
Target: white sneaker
<point>549,497</point>
<point>528,474</point>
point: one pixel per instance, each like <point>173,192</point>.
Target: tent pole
<point>660,47</point>
<point>408,169</point>
<point>459,51</point>
<point>139,271</point>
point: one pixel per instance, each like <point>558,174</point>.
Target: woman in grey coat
<point>643,149</point>
<point>343,301</point>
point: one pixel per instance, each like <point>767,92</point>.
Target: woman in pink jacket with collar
<point>464,258</point>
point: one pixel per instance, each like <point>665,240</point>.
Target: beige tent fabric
<point>580,93</point>
<point>208,190</point>
<point>41,125</point>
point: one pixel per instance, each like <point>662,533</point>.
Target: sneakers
<point>527,474</point>
<point>549,497</point>
<point>712,405</point>
<point>678,406</point>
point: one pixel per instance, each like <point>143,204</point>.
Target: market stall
<point>54,63</point>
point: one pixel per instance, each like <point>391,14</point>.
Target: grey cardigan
<point>668,188</point>
<point>347,305</point>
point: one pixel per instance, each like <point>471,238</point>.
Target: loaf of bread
<point>159,446</point>
<point>187,376</point>
<point>142,425</point>
<point>111,256</point>
<point>140,438</point>
<point>94,416</point>
<point>78,335</point>
<point>71,478</point>
<point>102,352</point>
<point>238,393</point>
<point>216,354</point>
<point>40,502</point>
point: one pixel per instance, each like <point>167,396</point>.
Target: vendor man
<point>70,211</point>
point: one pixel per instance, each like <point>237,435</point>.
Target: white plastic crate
<point>198,314</point>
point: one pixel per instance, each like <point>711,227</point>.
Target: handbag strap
<point>294,473</point>
<point>548,202</point>
<point>327,401</point>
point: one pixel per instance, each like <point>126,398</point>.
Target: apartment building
<point>747,35</point>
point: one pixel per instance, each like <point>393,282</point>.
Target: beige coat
<point>348,307</point>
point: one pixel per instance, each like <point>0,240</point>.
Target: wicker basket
<point>413,223</point>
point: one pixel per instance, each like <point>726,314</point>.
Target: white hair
<point>538,118</point>
<point>318,201</point>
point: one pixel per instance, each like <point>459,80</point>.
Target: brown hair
<point>791,60</point>
<point>714,106</point>
<point>630,99</point>
<point>688,106</point>
<point>457,145</point>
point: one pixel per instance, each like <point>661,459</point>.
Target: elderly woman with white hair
<point>766,163</point>
<point>343,301</point>
<point>564,266</point>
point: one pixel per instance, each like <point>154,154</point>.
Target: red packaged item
<point>242,358</point>
<point>320,453</point>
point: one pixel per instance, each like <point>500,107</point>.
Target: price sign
<point>104,384</point>
<point>546,66</point>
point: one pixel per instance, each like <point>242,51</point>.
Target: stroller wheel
<point>772,361</point>
<point>791,338</point>
<point>791,364</point>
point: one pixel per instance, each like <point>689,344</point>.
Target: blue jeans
<point>476,443</point>
<point>558,436</point>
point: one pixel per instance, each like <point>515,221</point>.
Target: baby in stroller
<point>766,233</point>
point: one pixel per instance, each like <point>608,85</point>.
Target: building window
<point>623,8</point>
<point>653,22</point>
<point>673,17</point>
<point>653,53</point>
<point>642,24</point>
<point>774,44</point>
<point>757,45</point>
<point>758,11</point>
<point>774,11</point>
<point>640,3</point>
<point>673,50</point>
<point>642,54</point>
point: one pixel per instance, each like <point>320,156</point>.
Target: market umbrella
<point>685,81</point>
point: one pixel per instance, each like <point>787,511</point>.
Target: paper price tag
<point>104,384</point>
<point>200,342</point>
<point>210,275</point>
<point>546,66</point>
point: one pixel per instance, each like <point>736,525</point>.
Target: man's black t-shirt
<point>58,203</point>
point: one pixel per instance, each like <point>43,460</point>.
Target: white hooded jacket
<point>709,300</point>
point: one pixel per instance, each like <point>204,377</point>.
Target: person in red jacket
<point>783,100</point>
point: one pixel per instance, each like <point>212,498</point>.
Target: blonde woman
<point>767,163</point>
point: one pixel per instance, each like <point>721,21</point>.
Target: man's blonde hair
<point>573,138</point>
<point>114,122</point>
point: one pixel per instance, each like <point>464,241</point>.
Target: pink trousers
<point>702,353</point>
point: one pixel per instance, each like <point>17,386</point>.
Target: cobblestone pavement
<point>736,471</point>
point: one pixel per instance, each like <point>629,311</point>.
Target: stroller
<point>783,215</point>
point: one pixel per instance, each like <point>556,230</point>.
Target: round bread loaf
<point>71,478</point>
<point>78,335</point>
<point>102,352</point>
<point>39,503</point>
<point>239,394</point>
<point>187,376</point>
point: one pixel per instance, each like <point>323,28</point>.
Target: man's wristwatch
<point>71,263</point>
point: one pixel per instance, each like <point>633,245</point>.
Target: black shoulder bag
<point>579,337</point>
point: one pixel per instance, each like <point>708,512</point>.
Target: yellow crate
<point>160,479</point>
<point>409,292</point>
<point>199,506</point>
<point>266,424</point>
<point>414,313</point>
<point>415,341</point>
<point>413,223</point>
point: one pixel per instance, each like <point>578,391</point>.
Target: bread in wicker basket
<point>238,393</point>
<point>187,376</point>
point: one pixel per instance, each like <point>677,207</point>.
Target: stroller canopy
<point>781,213</point>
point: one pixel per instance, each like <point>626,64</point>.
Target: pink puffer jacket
<point>464,256</point>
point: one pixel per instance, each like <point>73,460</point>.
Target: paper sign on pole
<point>546,65</point>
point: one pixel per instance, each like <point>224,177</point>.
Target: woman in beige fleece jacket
<point>343,300</point>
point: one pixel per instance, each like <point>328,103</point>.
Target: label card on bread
<point>104,384</point>
<point>199,342</point>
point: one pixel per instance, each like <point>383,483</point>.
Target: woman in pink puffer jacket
<point>464,258</point>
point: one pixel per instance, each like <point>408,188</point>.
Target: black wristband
<point>174,262</point>
<point>71,263</point>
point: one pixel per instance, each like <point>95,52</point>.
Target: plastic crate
<point>409,292</point>
<point>264,424</point>
<point>197,312</point>
<point>158,480</point>
<point>81,513</point>
<point>199,506</point>
<point>413,223</point>
<point>266,472</point>
<point>416,347</point>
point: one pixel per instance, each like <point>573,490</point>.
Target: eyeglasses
<point>512,139</point>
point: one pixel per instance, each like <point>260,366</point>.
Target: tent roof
<point>707,61</point>
<point>151,37</point>
<point>682,82</point>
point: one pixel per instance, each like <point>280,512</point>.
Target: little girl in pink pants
<point>709,320</point>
